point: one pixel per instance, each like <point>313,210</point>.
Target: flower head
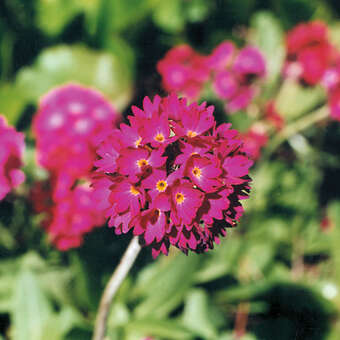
<point>184,189</point>
<point>69,120</point>
<point>11,152</point>
<point>67,221</point>
<point>309,52</point>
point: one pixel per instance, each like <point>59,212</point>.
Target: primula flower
<point>69,120</point>
<point>67,221</point>
<point>183,190</point>
<point>254,140</point>
<point>233,73</point>
<point>309,52</point>
<point>11,152</point>
<point>184,71</point>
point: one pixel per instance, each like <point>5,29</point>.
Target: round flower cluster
<point>309,52</point>
<point>172,176</point>
<point>312,58</point>
<point>68,126</point>
<point>232,73</point>
<point>12,147</point>
<point>67,221</point>
<point>69,120</point>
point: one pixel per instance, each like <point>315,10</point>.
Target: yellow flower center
<point>191,134</point>
<point>134,191</point>
<point>137,142</point>
<point>161,185</point>
<point>179,198</point>
<point>196,172</point>
<point>159,138</point>
<point>142,162</point>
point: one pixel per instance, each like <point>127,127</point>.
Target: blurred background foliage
<point>276,276</point>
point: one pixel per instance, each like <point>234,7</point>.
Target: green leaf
<point>197,314</point>
<point>294,100</point>
<point>48,19</point>
<point>170,16</point>
<point>222,260</point>
<point>31,308</point>
<point>58,325</point>
<point>12,102</point>
<point>167,329</point>
<point>62,64</point>
<point>269,38</point>
<point>164,290</point>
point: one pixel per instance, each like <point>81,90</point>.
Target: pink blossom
<point>164,190</point>
<point>309,52</point>
<point>254,140</point>
<point>67,221</point>
<point>184,71</point>
<point>221,57</point>
<point>11,152</point>
<point>67,125</point>
<point>248,62</point>
<point>225,84</point>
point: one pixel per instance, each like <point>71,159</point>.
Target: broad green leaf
<point>165,289</point>
<point>197,314</point>
<point>170,16</point>
<point>59,324</point>
<point>12,102</point>
<point>294,100</point>
<point>31,308</point>
<point>221,260</point>
<point>166,329</point>
<point>58,65</point>
<point>53,15</point>
<point>268,37</point>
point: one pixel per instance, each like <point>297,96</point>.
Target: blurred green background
<point>276,276</point>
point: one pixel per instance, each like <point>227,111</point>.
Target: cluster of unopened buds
<point>12,147</point>
<point>172,176</point>
<point>313,59</point>
<point>68,126</point>
<point>232,73</point>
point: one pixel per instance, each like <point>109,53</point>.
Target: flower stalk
<point>112,287</point>
<point>296,127</point>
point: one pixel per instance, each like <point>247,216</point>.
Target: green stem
<point>294,128</point>
<point>112,287</point>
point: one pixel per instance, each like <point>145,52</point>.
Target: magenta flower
<point>309,52</point>
<point>67,221</point>
<point>225,84</point>
<point>183,188</point>
<point>248,62</point>
<point>184,71</point>
<point>221,57</point>
<point>232,73</point>
<point>69,120</point>
<point>254,140</point>
<point>11,152</point>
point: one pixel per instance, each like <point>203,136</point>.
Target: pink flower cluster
<point>172,176</point>
<point>231,72</point>
<point>69,120</point>
<point>312,58</point>
<point>67,220</point>
<point>12,147</point>
<point>309,52</point>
